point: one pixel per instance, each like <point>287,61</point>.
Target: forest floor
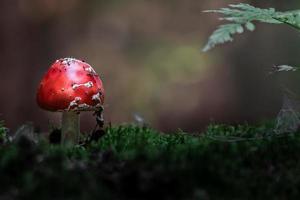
<point>131,162</point>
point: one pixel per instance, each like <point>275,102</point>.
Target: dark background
<point>149,56</point>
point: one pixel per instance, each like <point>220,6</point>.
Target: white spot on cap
<point>67,61</point>
<point>96,97</point>
<point>88,85</point>
<point>74,102</point>
<point>83,106</point>
<point>90,70</point>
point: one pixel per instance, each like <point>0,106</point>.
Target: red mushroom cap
<point>70,85</point>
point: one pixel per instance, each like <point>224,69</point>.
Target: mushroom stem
<point>70,127</point>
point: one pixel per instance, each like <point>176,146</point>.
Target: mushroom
<point>70,86</point>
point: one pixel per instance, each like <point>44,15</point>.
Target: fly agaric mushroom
<point>70,86</point>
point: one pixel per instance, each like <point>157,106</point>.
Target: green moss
<point>129,162</point>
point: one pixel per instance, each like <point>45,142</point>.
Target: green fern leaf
<point>223,34</point>
<point>241,16</point>
<point>291,18</point>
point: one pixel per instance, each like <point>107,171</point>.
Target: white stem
<point>70,128</point>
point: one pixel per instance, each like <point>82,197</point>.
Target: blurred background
<point>148,54</point>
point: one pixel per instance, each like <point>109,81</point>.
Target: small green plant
<point>243,16</point>
<point>3,132</point>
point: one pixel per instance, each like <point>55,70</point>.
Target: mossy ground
<point>130,162</point>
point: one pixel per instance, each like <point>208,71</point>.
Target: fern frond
<point>241,16</point>
<point>223,34</point>
<point>291,18</point>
